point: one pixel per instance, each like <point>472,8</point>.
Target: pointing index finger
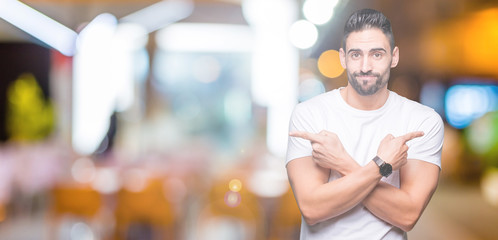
<point>411,135</point>
<point>305,135</point>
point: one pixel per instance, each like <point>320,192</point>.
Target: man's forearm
<point>325,201</point>
<point>392,205</point>
<point>403,206</point>
<point>320,199</point>
<point>387,202</point>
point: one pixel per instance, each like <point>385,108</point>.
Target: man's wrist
<point>385,169</point>
<point>352,166</point>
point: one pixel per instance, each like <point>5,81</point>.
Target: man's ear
<point>395,59</point>
<point>342,57</point>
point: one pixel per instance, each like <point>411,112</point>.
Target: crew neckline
<point>363,112</point>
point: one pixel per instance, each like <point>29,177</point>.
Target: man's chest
<point>361,136</point>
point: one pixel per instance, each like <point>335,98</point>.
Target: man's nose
<point>366,64</point>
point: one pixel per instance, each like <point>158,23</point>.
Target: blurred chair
<point>286,219</point>
<point>144,214</point>
<point>77,200</point>
<point>230,215</point>
<point>73,203</point>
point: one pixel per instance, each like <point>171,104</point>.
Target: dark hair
<point>365,19</point>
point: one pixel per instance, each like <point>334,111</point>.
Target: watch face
<point>386,169</point>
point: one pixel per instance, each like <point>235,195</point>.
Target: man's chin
<point>366,91</point>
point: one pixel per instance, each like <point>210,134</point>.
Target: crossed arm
<point>320,199</point>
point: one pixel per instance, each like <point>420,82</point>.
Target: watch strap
<point>385,169</point>
<point>378,161</point>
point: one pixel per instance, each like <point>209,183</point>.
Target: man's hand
<point>328,151</point>
<point>394,149</point>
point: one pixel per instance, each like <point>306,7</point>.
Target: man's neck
<point>367,103</point>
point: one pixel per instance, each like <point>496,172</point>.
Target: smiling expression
<point>368,59</point>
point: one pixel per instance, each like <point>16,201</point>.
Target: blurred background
<point>147,119</point>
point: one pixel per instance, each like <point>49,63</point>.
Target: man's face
<point>368,60</point>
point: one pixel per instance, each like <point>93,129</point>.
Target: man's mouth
<point>366,78</point>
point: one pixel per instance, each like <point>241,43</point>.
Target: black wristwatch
<point>385,169</point>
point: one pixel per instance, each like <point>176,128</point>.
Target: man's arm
<point>319,199</point>
<point>403,207</point>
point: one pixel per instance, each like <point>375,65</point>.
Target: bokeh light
<point>273,171</point>
<point>489,186</point>
<point>319,11</point>
<point>329,64</point>
<point>83,170</point>
<point>475,47</point>
<point>303,34</point>
<point>309,88</point>
<point>483,133</point>
<point>106,180</point>
<point>235,185</point>
<point>465,103</point>
<point>232,199</point>
<point>81,231</point>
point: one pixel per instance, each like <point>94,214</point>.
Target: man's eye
<point>355,55</point>
<point>377,55</point>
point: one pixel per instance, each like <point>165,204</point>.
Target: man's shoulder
<point>414,106</point>
<point>416,110</point>
<point>314,107</point>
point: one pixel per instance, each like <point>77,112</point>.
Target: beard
<point>363,88</point>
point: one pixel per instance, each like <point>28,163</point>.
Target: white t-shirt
<point>361,133</point>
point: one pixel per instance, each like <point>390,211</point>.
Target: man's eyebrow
<point>378,49</point>
<point>354,50</point>
<point>371,50</point>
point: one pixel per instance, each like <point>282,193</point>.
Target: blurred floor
<point>456,212</point>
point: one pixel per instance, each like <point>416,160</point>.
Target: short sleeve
<point>428,147</point>
<point>301,120</point>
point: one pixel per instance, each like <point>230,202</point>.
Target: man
<point>363,162</point>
